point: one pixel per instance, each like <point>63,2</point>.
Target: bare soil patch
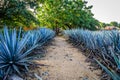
<point>64,62</point>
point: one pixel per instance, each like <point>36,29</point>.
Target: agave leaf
<point>21,44</point>
<point>19,34</point>
<point>6,36</point>
<point>3,65</point>
<point>26,59</point>
<point>6,50</point>
<point>2,62</point>
<point>8,70</point>
<point>13,42</point>
<point>26,67</point>
<point>27,52</point>
<point>16,69</point>
<point>2,73</point>
<point>111,73</point>
<point>115,57</point>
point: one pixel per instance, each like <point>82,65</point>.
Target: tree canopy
<point>114,23</point>
<point>55,14</point>
<point>17,12</point>
<point>66,14</point>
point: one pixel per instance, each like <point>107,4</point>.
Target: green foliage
<point>66,14</point>
<point>103,45</point>
<point>17,12</point>
<point>102,25</point>
<point>114,23</point>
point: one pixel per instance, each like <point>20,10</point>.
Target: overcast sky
<point>106,10</point>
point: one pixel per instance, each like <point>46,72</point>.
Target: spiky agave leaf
<point>2,74</point>
<point>115,57</point>
<point>110,72</point>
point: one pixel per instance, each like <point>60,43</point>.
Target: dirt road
<point>65,63</point>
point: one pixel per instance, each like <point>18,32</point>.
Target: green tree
<point>114,23</point>
<point>66,14</point>
<point>102,24</point>
<point>17,12</point>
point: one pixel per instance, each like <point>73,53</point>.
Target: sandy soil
<point>64,62</point>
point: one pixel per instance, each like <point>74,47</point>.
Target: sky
<point>106,10</point>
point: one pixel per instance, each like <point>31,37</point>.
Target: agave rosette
<point>13,52</point>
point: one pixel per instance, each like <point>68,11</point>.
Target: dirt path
<point>65,63</point>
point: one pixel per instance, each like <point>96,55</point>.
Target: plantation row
<point>16,48</point>
<point>102,46</point>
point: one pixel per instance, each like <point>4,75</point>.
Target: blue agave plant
<point>34,38</point>
<point>40,36</point>
<point>46,34</point>
<point>106,42</point>
<point>13,54</point>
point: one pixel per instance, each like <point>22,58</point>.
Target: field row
<point>102,47</point>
